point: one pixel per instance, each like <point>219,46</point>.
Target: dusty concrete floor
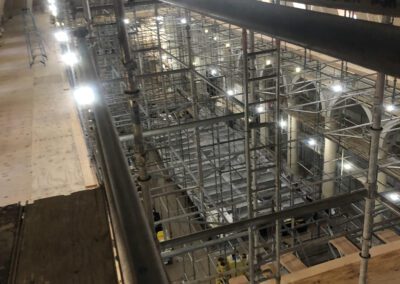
<point>42,150</point>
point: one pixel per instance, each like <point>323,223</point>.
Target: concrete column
<point>330,149</point>
<point>293,135</point>
<point>329,170</point>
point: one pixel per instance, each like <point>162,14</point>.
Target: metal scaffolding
<point>246,146</point>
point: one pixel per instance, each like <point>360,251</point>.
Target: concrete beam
<point>372,45</point>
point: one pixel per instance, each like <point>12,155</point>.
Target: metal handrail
<point>143,258</point>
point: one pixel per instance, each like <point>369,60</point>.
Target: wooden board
<point>268,269</point>
<point>383,267</point>
<point>66,239</point>
<point>289,261</point>
<point>388,235</point>
<point>9,220</point>
<point>292,263</point>
<point>239,280</point>
<point>344,246</point>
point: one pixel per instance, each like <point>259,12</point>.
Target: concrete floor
<point>42,149</point>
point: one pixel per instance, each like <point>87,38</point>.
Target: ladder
<point>34,41</point>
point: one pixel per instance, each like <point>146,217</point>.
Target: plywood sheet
<point>66,239</point>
